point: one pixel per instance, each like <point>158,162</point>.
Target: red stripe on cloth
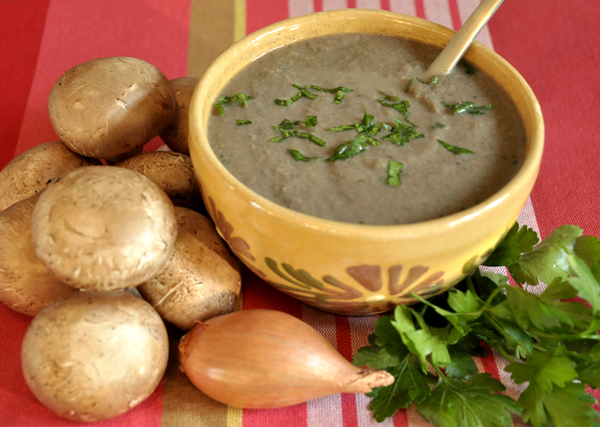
<point>260,13</point>
<point>344,346</point>
<point>454,14</point>
<point>559,61</point>
<point>20,51</point>
<point>385,4</point>
<point>152,30</point>
<point>420,9</point>
<point>318,5</point>
<point>489,364</point>
<point>351,4</point>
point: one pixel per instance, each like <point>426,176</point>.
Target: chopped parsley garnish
<point>438,125</point>
<point>394,169</point>
<point>238,97</point>
<point>366,128</point>
<point>402,134</point>
<point>400,106</point>
<point>416,79</point>
<point>454,149</point>
<point>286,124</point>
<point>551,343</point>
<point>303,93</point>
<point>299,157</point>
<point>338,91</point>
<point>286,128</point>
<point>311,137</point>
<point>468,107</point>
<point>310,121</point>
<point>349,149</point>
<point>240,122</point>
<point>469,69</point>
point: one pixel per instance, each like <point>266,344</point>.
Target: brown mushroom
<point>103,228</point>
<point>202,278</point>
<point>30,172</point>
<point>26,285</point>
<point>92,356</point>
<point>172,172</point>
<point>107,107</point>
<point>176,134</point>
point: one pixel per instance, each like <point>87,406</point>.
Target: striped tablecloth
<point>553,43</point>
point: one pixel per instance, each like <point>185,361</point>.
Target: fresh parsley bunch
<point>551,340</point>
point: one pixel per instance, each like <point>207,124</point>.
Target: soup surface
<point>339,128</point>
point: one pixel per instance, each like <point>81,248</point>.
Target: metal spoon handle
<point>448,58</point>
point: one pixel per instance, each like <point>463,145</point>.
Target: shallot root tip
<point>366,379</point>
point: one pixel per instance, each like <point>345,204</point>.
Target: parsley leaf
<point>468,107</point>
<point>240,122</point>
<point>303,92</point>
<point>516,241</point>
<point>411,384</point>
<point>549,259</point>
<point>310,121</point>
<point>339,92</point>
<point>299,157</point>
<point>454,149</point>
<point>402,134</point>
<point>238,97</point>
<point>585,283</point>
<point>469,402</point>
<point>349,149</point>
<point>416,79</point>
<point>394,169</point>
<point>395,103</point>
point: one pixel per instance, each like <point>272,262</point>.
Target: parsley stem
<point>437,370</point>
<point>505,354</point>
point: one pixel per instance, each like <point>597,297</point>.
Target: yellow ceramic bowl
<point>340,267</point>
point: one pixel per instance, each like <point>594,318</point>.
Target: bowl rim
<point>526,173</point>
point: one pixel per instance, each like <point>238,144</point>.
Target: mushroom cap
<point>103,228</point>
<point>26,285</point>
<point>30,172</point>
<point>201,280</point>
<point>110,106</point>
<point>92,356</point>
<point>172,172</point>
<point>176,134</point>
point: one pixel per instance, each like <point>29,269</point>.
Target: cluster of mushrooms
<point>88,221</point>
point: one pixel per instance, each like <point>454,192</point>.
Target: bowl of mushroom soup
<point>345,181</point>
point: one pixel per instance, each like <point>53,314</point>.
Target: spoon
<point>451,54</point>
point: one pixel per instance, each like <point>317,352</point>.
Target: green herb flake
<point>400,106</point>
<point>393,173</point>
<point>299,157</point>
<point>438,125</point>
<point>303,92</point>
<point>402,134</point>
<point>339,92</point>
<point>349,149</point>
<point>238,97</point>
<point>310,121</point>
<point>468,107</point>
<point>240,122</point>
<point>454,149</point>
<point>469,69</point>
<point>414,80</point>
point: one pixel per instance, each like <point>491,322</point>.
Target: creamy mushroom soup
<point>339,127</point>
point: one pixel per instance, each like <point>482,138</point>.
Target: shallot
<point>268,359</point>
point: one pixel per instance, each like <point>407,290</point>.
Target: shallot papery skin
<point>268,359</point>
